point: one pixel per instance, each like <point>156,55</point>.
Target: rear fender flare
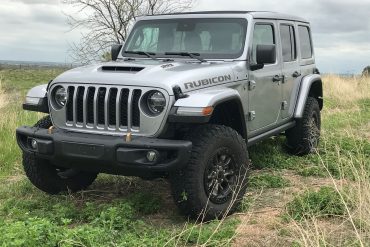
<point>304,92</point>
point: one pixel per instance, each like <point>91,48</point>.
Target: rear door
<point>290,67</point>
<point>265,94</point>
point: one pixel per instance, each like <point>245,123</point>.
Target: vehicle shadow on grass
<point>107,188</point>
<point>150,200</point>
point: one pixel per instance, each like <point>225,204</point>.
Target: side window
<point>263,35</point>
<point>305,42</point>
<point>288,43</point>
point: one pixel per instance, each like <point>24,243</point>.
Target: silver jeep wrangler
<point>182,99</point>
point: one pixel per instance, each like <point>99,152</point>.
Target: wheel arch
<point>229,112</point>
<point>227,104</point>
<point>311,86</point>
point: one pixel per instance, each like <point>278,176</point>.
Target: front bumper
<point>107,154</point>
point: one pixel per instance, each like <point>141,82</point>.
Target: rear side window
<point>305,42</point>
<point>288,43</point>
<point>263,35</point>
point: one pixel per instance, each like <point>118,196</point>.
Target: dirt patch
<point>263,225</point>
<point>258,228</point>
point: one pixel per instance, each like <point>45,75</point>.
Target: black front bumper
<point>107,154</point>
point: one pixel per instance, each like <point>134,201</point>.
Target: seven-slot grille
<point>105,108</point>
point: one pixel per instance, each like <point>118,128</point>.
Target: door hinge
<point>284,105</point>
<point>251,115</point>
<point>251,85</point>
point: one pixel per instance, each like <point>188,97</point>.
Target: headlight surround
<point>155,102</point>
<point>60,97</point>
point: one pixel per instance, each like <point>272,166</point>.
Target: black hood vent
<point>121,69</point>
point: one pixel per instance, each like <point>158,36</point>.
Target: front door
<point>265,92</point>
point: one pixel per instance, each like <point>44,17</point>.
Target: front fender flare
<point>37,100</point>
<point>214,98</point>
<point>208,98</point>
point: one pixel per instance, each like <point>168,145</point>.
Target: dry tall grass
<point>346,90</point>
<point>353,229</point>
<point>3,98</point>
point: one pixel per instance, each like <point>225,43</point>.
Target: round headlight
<point>60,96</point>
<point>156,102</point>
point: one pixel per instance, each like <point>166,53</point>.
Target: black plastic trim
<point>270,133</point>
<point>42,106</point>
<point>106,154</point>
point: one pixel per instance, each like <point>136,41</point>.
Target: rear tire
<point>47,177</point>
<point>213,183</point>
<point>304,138</point>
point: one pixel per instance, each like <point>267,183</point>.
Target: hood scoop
<point>122,69</point>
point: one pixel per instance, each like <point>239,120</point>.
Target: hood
<point>187,75</point>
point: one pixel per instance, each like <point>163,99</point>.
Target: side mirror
<point>265,54</point>
<point>115,50</point>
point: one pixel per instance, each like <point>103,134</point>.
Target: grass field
<point>319,200</point>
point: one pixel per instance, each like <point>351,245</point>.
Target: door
<point>265,94</point>
<point>290,68</point>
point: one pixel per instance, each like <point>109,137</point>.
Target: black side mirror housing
<point>254,67</point>
<point>115,50</point>
<point>266,54</point>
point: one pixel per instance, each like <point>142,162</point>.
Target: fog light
<point>151,156</point>
<point>34,143</point>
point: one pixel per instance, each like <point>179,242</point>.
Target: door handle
<point>296,74</point>
<point>278,78</point>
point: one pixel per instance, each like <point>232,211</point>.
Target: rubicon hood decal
<point>207,82</point>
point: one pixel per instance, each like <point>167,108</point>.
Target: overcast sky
<point>36,30</point>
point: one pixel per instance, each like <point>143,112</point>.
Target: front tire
<point>49,178</point>
<point>305,136</point>
<point>213,183</point>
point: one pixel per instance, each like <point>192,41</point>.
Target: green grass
<point>24,79</point>
<point>322,203</point>
<point>10,155</point>
<point>101,217</point>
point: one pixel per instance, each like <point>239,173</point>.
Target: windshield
<point>210,38</point>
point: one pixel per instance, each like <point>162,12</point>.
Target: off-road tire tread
<point>185,180</point>
<point>297,137</point>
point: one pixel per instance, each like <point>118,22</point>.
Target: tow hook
<point>50,130</point>
<point>128,137</point>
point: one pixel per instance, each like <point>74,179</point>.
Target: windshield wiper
<point>186,54</point>
<point>148,54</point>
